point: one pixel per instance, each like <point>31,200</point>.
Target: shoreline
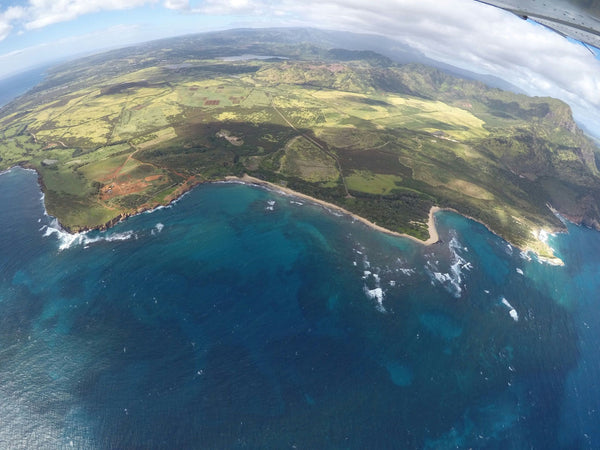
<point>433,233</point>
<point>250,180</point>
<point>431,227</point>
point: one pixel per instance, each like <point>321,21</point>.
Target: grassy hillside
<point>116,133</point>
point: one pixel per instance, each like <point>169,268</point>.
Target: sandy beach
<point>433,234</point>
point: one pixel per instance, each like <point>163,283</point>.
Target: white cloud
<point>7,18</point>
<point>5,28</point>
<point>234,7</point>
<point>14,13</point>
<point>181,5</point>
<point>11,54</point>
<point>41,13</point>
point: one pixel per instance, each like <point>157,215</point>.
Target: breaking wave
<point>67,240</point>
<point>157,228</point>
<point>376,294</point>
<point>452,280</point>
<point>270,205</point>
<point>371,279</point>
<point>511,311</point>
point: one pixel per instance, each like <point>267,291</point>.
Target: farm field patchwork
<point>114,134</point>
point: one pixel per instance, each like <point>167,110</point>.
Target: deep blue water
<point>230,321</point>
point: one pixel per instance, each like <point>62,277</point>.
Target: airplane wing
<point>578,19</point>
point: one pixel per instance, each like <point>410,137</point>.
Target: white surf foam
<point>150,211</point>
<point>376,294</point>
<point>543,235</point>
<point>525,256</point>
<point>372,282</point>
<point>452,280</point>
<point>126,235</point>
<point>67,240</point>
<point>178,199</point>
<point>511,311</point>
<point>519,271</point>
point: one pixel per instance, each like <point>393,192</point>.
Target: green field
<point>117,133</point>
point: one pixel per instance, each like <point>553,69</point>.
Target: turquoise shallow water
<point>242,318</point>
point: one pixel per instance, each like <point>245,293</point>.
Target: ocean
<point>15,85</point>
<point>242,318</point>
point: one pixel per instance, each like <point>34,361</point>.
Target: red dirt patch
<point>118,189</point>
<point>152,177</point>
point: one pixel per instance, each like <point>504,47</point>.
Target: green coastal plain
<point>117,133</point>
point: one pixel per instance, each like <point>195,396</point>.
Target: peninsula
<point>121,132</point>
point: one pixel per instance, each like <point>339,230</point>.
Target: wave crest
<point>67,240</point>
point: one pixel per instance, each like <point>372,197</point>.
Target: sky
<point>463,33</point>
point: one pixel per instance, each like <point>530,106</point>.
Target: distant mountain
<point>394,50</point>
